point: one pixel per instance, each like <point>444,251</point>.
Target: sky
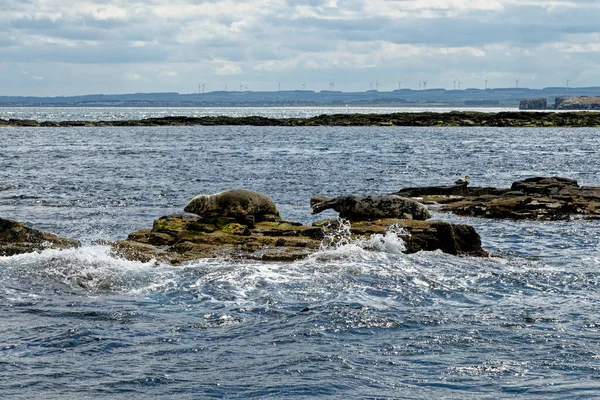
<point>68,47</point>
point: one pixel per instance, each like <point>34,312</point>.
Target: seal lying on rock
<point>235,203</point>
<point>359,207</point>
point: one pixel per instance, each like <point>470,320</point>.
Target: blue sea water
<point>359,321</point>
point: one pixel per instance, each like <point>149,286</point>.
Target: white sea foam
<point>339,244</point>
<point>91,268</point>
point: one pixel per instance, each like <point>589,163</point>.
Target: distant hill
<point>498,97</point>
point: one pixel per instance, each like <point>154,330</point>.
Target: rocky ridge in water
<point>236,233</point>
<point>179,238</point>
<point>16,238</point>
<point>454,118</point>
<point>539,198</point>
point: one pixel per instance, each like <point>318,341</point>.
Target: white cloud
<point>257,41</point>
<point>133,76</point>
<point>168,74</point>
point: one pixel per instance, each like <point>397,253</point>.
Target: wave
<point>92,268</point>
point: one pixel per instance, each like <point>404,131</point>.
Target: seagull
<point>463,181</point>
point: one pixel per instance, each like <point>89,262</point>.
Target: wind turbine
<point>567,83</point>
<point>424,85</point>
<point>486,83</point>
<point>371,85</point>
<point>517,83</point>
<point>377,86</point>
<point>303,86</point>
<point>399,85</point>
<point>454,84</point>
<point>419,85</point>
<point>279,86</point>
<point>459,83</point>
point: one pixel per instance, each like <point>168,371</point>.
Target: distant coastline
<point>454,118</point>
<point>402,97</point>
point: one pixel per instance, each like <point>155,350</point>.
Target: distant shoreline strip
<point>454,118</point>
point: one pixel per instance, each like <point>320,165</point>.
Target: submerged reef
<point>453,118</point>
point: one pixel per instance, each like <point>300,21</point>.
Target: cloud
<point>133,76</point>
<point>222,67</point>
<point>167,74</point>
<point>258,41</point>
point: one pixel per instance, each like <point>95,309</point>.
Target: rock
<point>356,207</point>
<point>454,118</point>
<point>237,203</point>
<point>577,103</point>
<point>534,104</point>
<point>544,186</point>
<point>177,239</point>
<point>538,198</point>
<point>16,238</point>
<point>454,190</point>
<point>423,235</point>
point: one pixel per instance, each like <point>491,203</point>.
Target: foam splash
<point>339,243</point>
<point>91,268</point>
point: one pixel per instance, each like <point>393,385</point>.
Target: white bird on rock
<point>463,181</point>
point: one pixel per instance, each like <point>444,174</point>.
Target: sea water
<point>361,320</point>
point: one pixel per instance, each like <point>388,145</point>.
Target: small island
<point>562,103</point>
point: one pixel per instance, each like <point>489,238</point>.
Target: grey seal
<point>365,206</point>
<point>235,203</point>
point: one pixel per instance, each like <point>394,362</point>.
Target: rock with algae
<point>181,238</point>
<point>17,238</point>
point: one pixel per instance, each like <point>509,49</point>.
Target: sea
<point>361,320</point>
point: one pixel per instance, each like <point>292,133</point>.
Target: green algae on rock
<point>176,239</point>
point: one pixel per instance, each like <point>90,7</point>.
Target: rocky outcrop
<point>454,118</point>
<point>538,198</point>
<point>577,103</point>
<point>533,104</point>
<point>180,238</point>
<point>16,238</point>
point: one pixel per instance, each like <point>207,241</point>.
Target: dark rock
<point>16,238</point>
<point>173,239</point>
<point>534,104</point>
<point>544,186</point>
<point>454,118</point>
<point>538,198</point>
<point>453,190</point>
